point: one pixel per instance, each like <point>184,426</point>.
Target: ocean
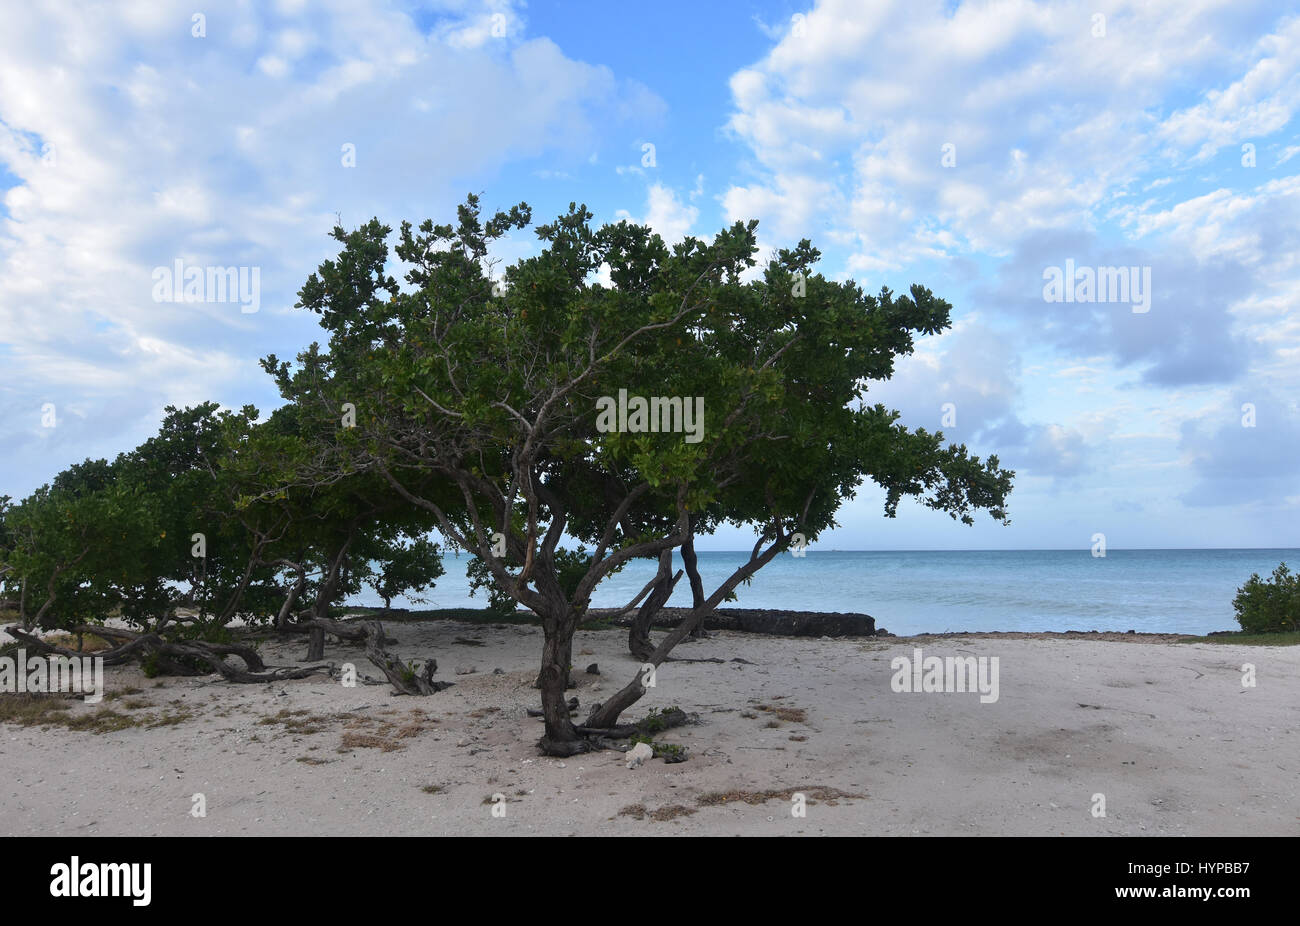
<point>907,592</point>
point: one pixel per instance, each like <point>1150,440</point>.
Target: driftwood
<point>173,657</point>
<point>179,657</point>
<point>317,627</point>
<point>405,678</point>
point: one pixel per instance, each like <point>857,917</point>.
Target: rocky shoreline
<point>770,622</point>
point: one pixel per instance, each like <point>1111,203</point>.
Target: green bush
<point>1269,606</point>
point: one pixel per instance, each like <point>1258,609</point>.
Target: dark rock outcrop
<point>774,623</point>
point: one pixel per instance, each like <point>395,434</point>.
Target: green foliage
<point>404,568</point>
<point>481,579</point>
<point>654,721</point>
<point>121,539</point>
<point>151,664</point>
<point>494,386</point>
<point>206,633</point>
<point>473,404</point>
<point>1269,605</point>
<point>669,752</point>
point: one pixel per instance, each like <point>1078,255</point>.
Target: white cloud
<point>1045,119</point>
<point>135,144</point>
<point>666,214</point>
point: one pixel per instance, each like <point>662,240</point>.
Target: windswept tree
<point>628,416</point>
<point>81,547</point>
<point>328,537</point>
<point>200,515</point>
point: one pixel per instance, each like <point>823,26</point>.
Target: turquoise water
<point>1176,591</point>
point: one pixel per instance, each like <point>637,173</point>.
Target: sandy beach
<point>1164,730</point>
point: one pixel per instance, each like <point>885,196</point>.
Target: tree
<point>510,398</point>
<point>78,543</point>
<point>199,515</point>
<point>1269,605</point>
<point>328,538</point>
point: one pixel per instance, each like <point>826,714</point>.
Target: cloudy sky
<point>971,147</point>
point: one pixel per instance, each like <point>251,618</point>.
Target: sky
<point>1004,154</point>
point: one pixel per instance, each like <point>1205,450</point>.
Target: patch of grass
<point>671,812</point>
<point>297,723</point>
<point>169,719</point>
<point>814,794</point>
<point>1240,638</point>
<point>661,815</point>
<point>384,735</point>
<point>123,693</point>
<point>791,714</point>
<point>29,710</point>
<point>432,789</point>
<point>104,720</point>
<point>354,740</point>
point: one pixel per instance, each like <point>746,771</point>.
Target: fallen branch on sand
<point>405,678</point>
<point>173,657</point>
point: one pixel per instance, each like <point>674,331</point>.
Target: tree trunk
<point>228,612</point>
<point>315,644</point>
<point>199,579</point>
<point>321,606</point>
<point>690,561</point>
<point>607,714</point>
<point>638,634</point>
<point>282,619</point>
<point>53,594</point>
<point>561,738</point>
<point>22,608</point>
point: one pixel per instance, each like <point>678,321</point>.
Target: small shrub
<point>1269,606</point>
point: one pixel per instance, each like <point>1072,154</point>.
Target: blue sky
<point>969,147</point>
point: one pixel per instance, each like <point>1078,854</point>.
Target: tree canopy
<point>606,399</point>
<point>496,393</point>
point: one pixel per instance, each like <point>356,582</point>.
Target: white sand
<point>1164,730</point>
